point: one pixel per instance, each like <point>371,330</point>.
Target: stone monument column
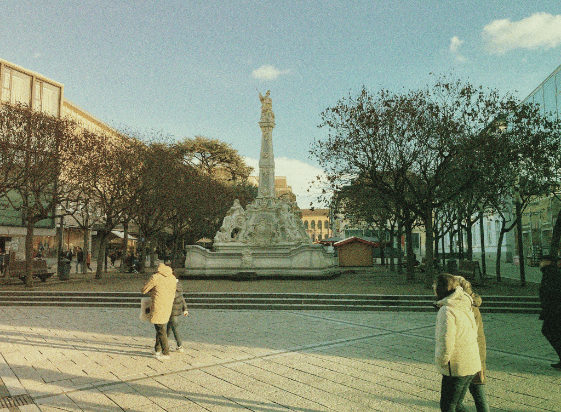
<point>266,160</point>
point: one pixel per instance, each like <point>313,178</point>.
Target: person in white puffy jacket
<point>456,352</point>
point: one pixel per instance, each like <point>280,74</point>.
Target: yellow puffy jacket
<point>161,286</point>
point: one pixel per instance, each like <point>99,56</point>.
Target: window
<point>326,225</point>
<point>319,224</point>
<point>46,98</point>
<point>16,86</point>
<point>306,224</point>
<point>313,225</point>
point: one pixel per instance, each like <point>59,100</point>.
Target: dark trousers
<point>452,392</point>
<point>161,339</point>
<point>477,390</point>
<point>551,329</point>
<point>172,327</point>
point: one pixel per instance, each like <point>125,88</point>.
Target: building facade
<point>539,217</point>
<point>316,222</point>
<point>20,85</point>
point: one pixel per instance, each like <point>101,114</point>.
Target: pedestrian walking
<point>79,260</point>
<point>456,349</point>
<point>88,260</point>
<point>179,309</point>
<point>477,385</point>
<point>161,287</point>
<point>550,298</point>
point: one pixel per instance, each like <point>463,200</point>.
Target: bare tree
<point>106,169</point>
<point>31,144</point>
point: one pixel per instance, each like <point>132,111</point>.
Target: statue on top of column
<point>267,114</point>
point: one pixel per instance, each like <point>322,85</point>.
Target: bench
<point>16,268</point>
<point>469,269</point>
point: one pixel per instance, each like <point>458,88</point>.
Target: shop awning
<point>121,235</point>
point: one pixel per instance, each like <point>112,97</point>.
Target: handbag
<point>145,309</point>
<point>479,378</point>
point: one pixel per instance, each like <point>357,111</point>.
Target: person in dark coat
<point>79,260</point>
<point>179,309</point>
<point>550,298</point>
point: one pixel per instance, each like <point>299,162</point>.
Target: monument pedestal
<point>279,261</point>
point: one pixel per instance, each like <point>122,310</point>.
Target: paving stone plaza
<point>88,359</point>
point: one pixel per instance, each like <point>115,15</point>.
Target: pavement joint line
<point>304,348</point>
<point>409,332</point>
<point>361,324</point>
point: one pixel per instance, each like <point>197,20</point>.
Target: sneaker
<point>156,352</point>
<point>159,356</point>
<point>180,349</point>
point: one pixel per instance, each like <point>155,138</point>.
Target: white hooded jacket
<point>456,351</point>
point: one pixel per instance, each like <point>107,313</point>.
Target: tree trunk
<point>152,255</point>
<point>409,250</point>
<point>436,249</point>
<point>451,248</point>
<point>429,246</point>
<point>29,255</point>
<point>125,246</point>
<point>142,257</point>
<point>399,250</point>
<point>556,236</point>
<point>443,253</point>
<point>469,239</point>
<point>392,237</point>
<point>482,241</point>
<point>499,251</point>
<point>86,248</point>
<point>101,255</point>
<point>520,243</point>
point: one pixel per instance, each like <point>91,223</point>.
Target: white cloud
<point>268,72</point>
<point>299,176</point>
<point>455,44</point>
<point>540,30</point>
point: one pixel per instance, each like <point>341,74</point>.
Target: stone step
<point>265,301</point>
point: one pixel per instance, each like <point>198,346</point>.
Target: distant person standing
<point>69,255</point>
<point>550,298</point>
<point>179,309</point>
<point>161,287</point>
<point>88,260</point>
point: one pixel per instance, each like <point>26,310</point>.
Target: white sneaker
<point>159,356</point>
<point>156,353</point>
<point>180,349</point>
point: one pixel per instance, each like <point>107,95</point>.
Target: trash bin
<point>64,269</point>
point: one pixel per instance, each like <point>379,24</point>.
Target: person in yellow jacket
<point>161,287</point>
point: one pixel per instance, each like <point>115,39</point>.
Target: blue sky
<point>189,68</point>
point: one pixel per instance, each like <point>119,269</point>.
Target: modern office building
<point>539,217</point>
<point>20,85</point>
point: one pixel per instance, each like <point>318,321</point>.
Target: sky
<point>186,68</point>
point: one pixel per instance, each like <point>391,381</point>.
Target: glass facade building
<point>539,217</point>
<point>548,95</point>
